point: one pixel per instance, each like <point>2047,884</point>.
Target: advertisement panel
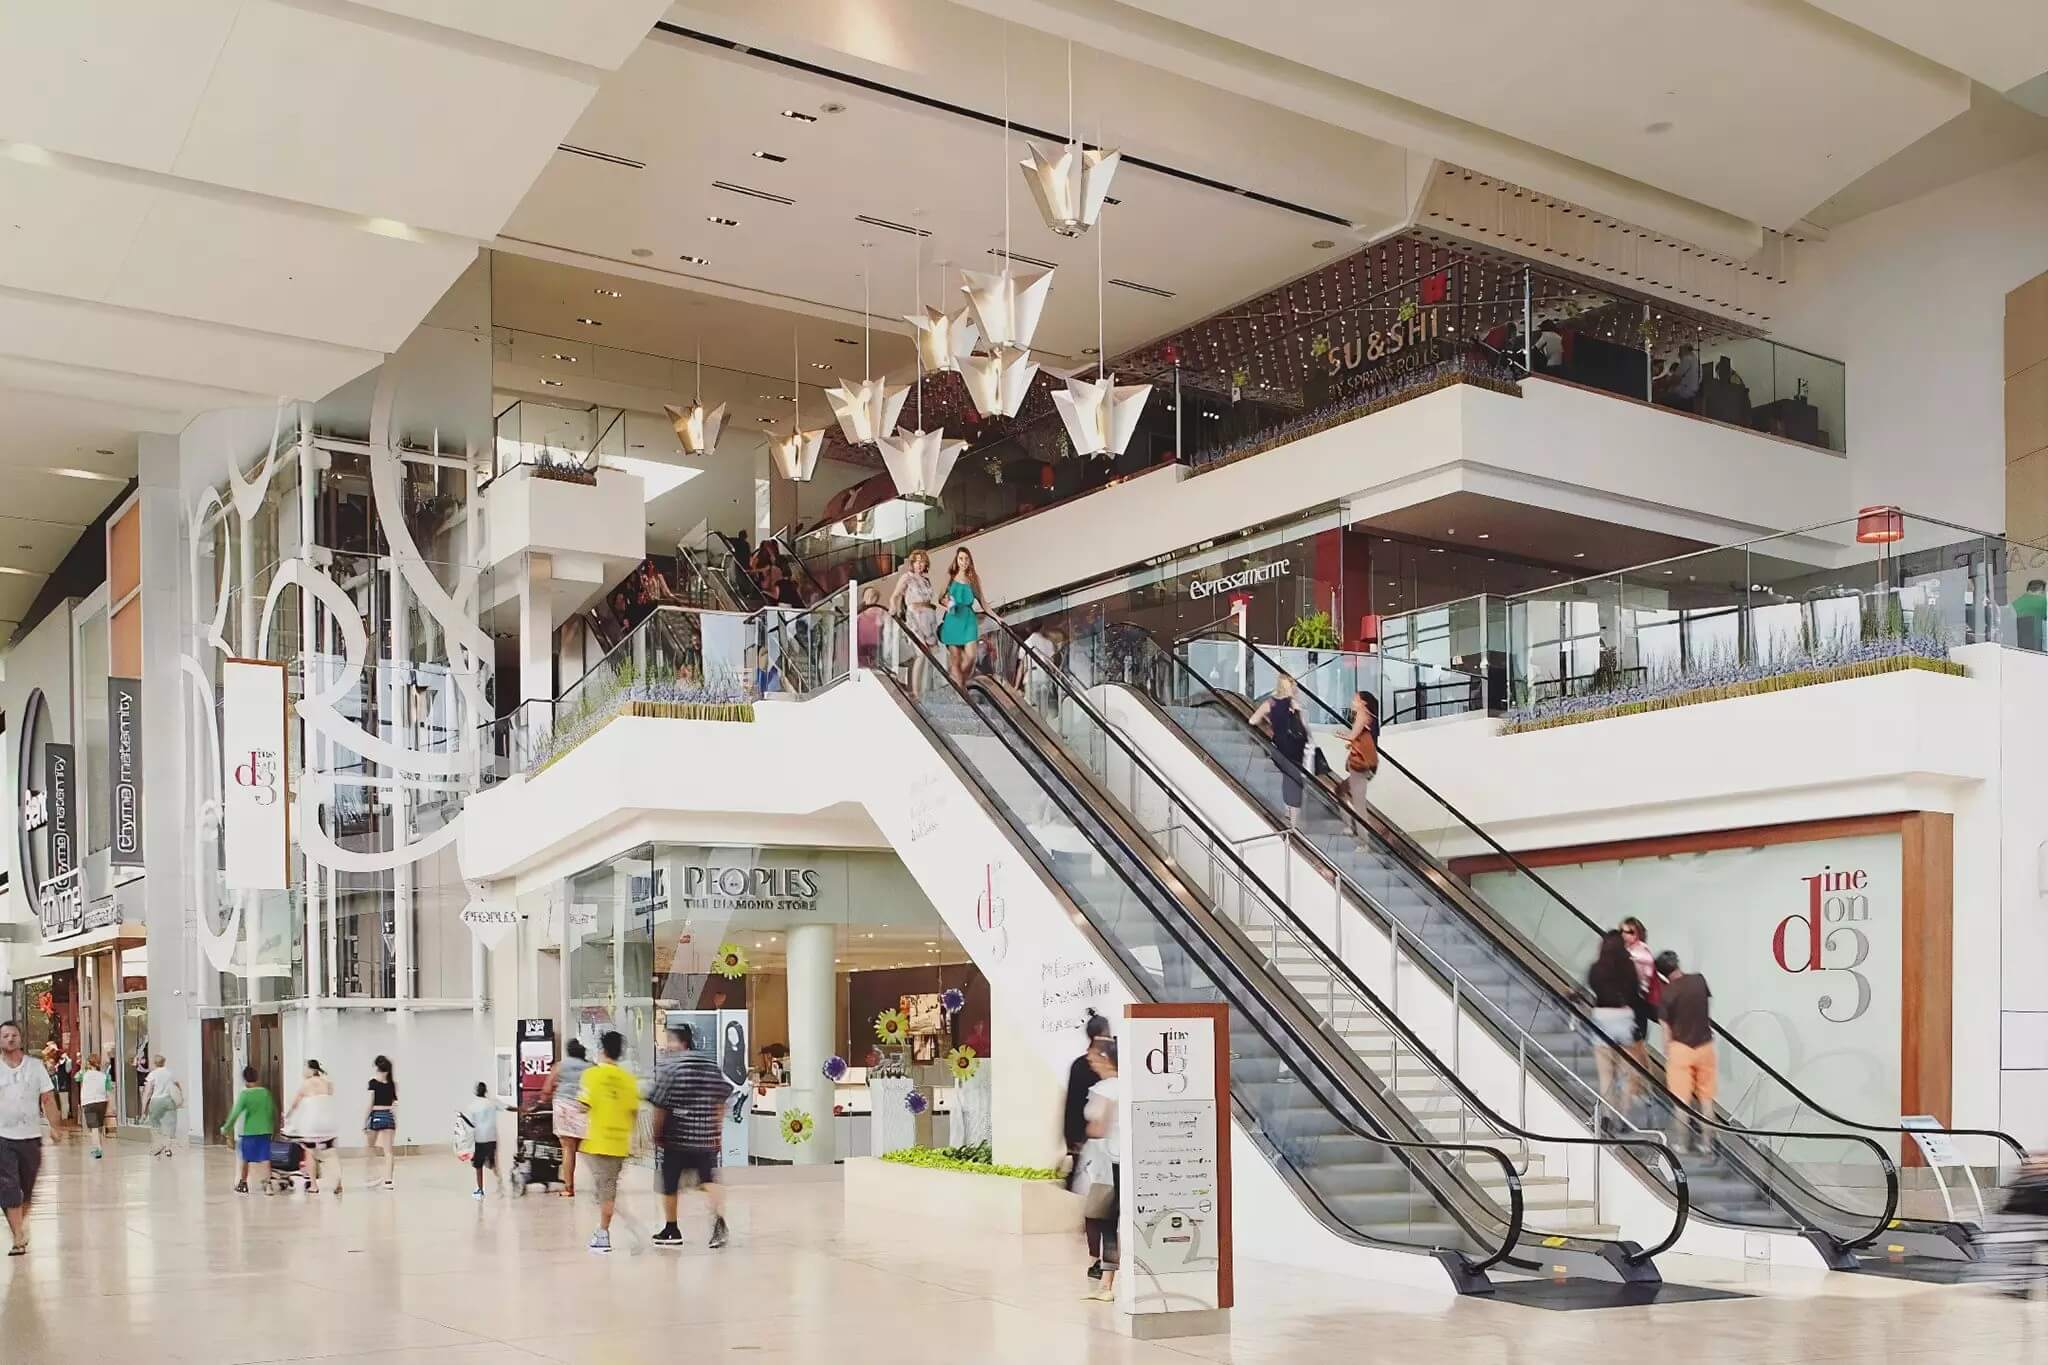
<point>61,791</point>
<point>255,806</point>
<point>124,749</point>
<point>1175,1220</point>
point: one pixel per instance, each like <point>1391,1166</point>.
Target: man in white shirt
<point>1685,388</point>
<point>24,1088</point>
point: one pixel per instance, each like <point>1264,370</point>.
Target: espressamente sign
<point>1199,588</point>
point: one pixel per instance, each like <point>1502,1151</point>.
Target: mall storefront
<point>822,979</point>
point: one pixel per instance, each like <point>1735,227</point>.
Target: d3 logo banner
<point>1829,938</point>
<point>255,806</point>
<point>1169,1060</point>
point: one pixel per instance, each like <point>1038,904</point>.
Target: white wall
<point>1912,299</point>
<point>437,1057</point>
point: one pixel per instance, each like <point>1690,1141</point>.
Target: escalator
<point>1781,1162</point>
<point>1373,1132</point>
<point>726,563</point>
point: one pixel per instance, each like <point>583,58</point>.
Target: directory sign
<point>1175,1135</point>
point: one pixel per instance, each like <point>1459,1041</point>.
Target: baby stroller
<point>2009,1246</point>
<point>287,1161</point>
<point>538,1159</point>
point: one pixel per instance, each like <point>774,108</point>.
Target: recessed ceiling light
<point>768,420</point>
<point>92,474</point>
<point>1483,535</point>
<point>557,355</point>
<point>820,365</point>
<point>1450,530</point>
<point>799,116</point>
<point>846,341</point>
<point>608,293</point>
<point>589,322</point>
<point>643,251</point>
<point>1580,555</point>
<point>1662,125</point>
<point>694,260</point>
<point>103,452</point>
<point>722,222</point>
<point>769,156</point>
<point>552,383</point>
<point>1322,244</point>
<point>19,573</point>
<point>777,397</point>
<point>834,107</point>
<point>1091,350</point>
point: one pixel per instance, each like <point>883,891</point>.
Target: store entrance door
<point>266,1054</point>
<point>216,1068</point>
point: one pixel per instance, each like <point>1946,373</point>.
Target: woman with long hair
<point>1104,1208</point>
<point>571,1120</point>
<point>1282,715</point>
<point>1616,993</point>
<point>309,1120</point>
<point>1649,1011</point>
<point>380,1124</point>
<point>960,630</point>
<point>912,603</point>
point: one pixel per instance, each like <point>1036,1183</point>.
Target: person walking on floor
<point>257,1113</point>
<point>613,1100</point>
<point>1616,997</point>
<point>1690,1068</point>
<point>25,1089</point>
<point>1105,1103</point>
<point>1290,737</point>
<point>380,1122</point>
<point>162,1098</point>
<point>1081,1078</point>
<point>689,1098</point>
<point>92,1099</point>
<point>571,1120</point>
<point>482,1118</point>
<point>311,1123</point>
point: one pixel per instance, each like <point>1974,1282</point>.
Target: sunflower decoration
<point>835,1069</point>
<point>1319,346</point>
<point>962,1062</point>
<point>953,1001</point>
<point>729,962</point>
<point>915,1102</point>
<point>797,1127</point>
<point>1407,311</point>
<point>892,1028</point>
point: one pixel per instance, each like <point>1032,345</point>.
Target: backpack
<point>1289,733</point>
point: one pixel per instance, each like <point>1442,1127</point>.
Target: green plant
<point>937,1159</point>
<point>1313,631</point>
<point>1757,687</point>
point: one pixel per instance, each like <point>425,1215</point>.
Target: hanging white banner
<point>255,814</point>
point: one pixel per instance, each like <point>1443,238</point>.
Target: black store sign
<point>124,738</point>
<point>57,771</point>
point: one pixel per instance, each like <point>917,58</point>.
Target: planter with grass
<point>961,1185</point>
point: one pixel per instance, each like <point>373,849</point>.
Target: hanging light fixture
<point>796,454</point>
<point>1099,414</point>
<point>695,428</point>
<point>868,409</point>
<point>1005,308</point>
<point>919,461</point>
<point>1070,188</point>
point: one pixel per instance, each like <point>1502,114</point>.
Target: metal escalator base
<point>1578,1295</point>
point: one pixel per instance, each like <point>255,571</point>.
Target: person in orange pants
<point>1690,1068</point>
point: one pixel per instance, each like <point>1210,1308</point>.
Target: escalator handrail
<point>1333,963</point>
<point>742,573</point>
<point>1571,1001</point>
<point>1524,870</point>
<point>787,541</point>
<point>1005,706</point>
<point>1441,1154</point>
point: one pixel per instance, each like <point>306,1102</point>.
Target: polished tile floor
<point>136,1260</point>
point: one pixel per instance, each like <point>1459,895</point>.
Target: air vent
<point>1021,259</point>
<point>751,192</point>
<point>1154,290</point>
<point>628,162</point>
<point>904,228</point>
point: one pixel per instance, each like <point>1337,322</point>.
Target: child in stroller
<point>287,1166</point>
<point>2009,1245</point>
<point>538,1159</point>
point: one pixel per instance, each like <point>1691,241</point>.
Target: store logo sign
<point>1169,1061</point>
<point>1244,578</point>
<point>35,811</point>
<point>708,886</point>
<point>1829,938</point>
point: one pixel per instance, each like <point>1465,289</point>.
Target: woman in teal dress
<point>960,628</point>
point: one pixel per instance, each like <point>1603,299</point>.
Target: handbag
<point>1099,1202</point>
<point>1364,754</point>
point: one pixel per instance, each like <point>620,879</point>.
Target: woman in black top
<point>1290,737</point>
<point>380,1124</point>
<point>1617,993</point>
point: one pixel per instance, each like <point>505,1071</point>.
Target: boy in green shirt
<point>258,1115</point>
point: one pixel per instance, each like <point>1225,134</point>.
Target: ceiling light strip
<point>613,158</point>
<point>751,192</point>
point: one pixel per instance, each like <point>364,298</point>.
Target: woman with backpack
<point>1282,716</point>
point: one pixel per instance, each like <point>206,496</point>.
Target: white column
<point>813,984</point>
<point>536,631</point>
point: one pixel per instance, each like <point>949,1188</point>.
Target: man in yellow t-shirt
<point>612,1096</point>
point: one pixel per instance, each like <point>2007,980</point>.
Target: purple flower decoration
<point>915,1102</point>
<point>954,1000</point>
<point>835,1068</point>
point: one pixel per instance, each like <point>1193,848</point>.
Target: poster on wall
<point>124,752</point>
<point>1175,1226</point>
<point>255,807</point>
<point>1799,942</point>
<point>534,1040</point>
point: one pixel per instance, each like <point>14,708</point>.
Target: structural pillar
<point>813,985</point>
<point>536,631</point>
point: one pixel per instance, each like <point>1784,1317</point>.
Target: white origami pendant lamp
<point>697,429</point>
<point>1100,415</point>
<point>1006,308</point>
<point>998,381</point>
<point>867,410</point>
<point>796,454</point>
<point>1072,187</point>
<point>920,461</point>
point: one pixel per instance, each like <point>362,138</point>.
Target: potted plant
<point>1313,631</point>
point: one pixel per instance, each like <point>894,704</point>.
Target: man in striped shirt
<point>689,1099</point>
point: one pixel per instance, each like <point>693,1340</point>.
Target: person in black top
<point>1290,737</point>
<point>1080,1078</point>
<point>1617,994</point>
<point>380,1125</point>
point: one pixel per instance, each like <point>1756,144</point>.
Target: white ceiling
<point>2003,43</point>
<point>220,203</point>
<point>695,114</point>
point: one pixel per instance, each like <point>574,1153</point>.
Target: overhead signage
<point>255,807</point>
<point>1175,1226</point>
<point>62,911</point>
<point>488,924</point>
<point>124,745</point>
<point>710,887</point>
<point>58,775</point>
<point>1244,578</point>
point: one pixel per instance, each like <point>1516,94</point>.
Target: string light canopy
<point>1070,188</point>
<point>796,454</point>
<point>868,409</point>
<point>695,428</point>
